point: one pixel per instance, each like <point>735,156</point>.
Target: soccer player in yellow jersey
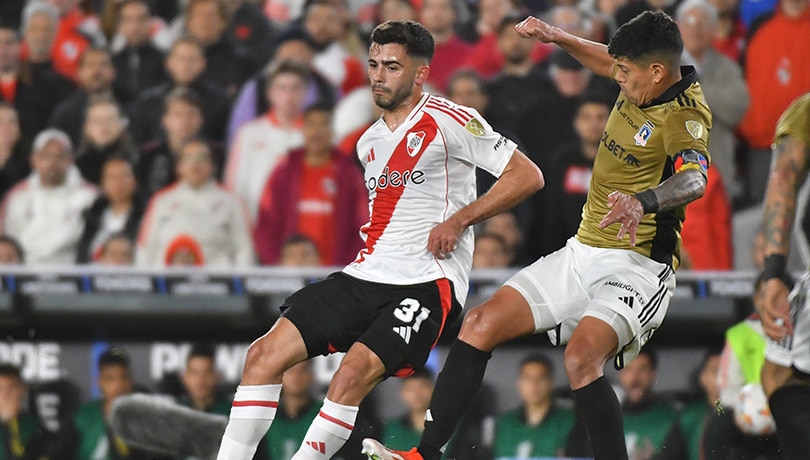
<point>787,321</point>
<point>608,289</point>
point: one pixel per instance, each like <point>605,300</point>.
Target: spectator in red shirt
<point>315,191</point>
<point>706,233</point>
<point>76,32</point>
<point>439,18</point>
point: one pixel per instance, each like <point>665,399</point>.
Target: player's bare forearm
<point>680,189</point>
<point>592,55</point>
<point>788,170</point>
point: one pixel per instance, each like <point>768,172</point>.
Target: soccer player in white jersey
<point>387,309</point>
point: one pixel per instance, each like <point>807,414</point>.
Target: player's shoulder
<point>447,111</point>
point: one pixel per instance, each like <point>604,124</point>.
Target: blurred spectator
<point>322,22</point>
<point>540,427</point>
<point>18,427</point>
<point>491,251</point>
<point>299,251</point>
<point>261,143</point>
<point>117,211</point>
<point>777,69</point>
<point>18,87</point>
<point>139,63</point>
<point>374,13</point>
<point>730,32</point>
<point>40,21</point>
<point>200,379</point>
<point>226,65</point>
<point>404,432</point>
<point>488,57</point>
<point>11,253</point>
<point>314,191</point>
<point>754,11</point>
<point>95,435</point>
<point>647,419</point>
<point>569,174</point>
<point>296,410</point>
<point>14,162</point>
<point>602,17</point>
<point>633,8</point>
<point>185,64</point>
<point>117,250</point>
<point>250,30</point>
<point>95,74</point>
<point>707,243</point>
<point>722,81</point>
<point>182,120</point>
<point>293,45</point>
<point>439,17</point>
<point>44,211</point>
<point>11,9</point>
<point>570,19</point>
<point>174,214</point>
<point>105,136</point>
<point>507,226</point>
<point>76,32</point>
<point>354,114</point>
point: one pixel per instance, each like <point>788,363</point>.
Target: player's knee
<point>263,356</point>
<point>581,367</point>
<point>479,328</point>
<point>355,377</point>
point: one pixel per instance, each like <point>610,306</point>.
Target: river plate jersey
<point>417,176</point>
<point>795,121</point>
<point>642,147</point>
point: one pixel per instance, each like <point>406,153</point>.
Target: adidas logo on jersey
<point>320,446</point>
<point>404,332</point>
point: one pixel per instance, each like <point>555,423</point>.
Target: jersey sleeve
<point>477,143</point>
<point>687,138</point>
<point>795,121</point>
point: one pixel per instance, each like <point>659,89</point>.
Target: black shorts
<point>401,324</point>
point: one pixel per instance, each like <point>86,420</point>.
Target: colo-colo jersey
<point>642,147</point>
<point>795,121</point>
<point>417,177</point>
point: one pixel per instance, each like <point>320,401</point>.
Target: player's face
<point>392,74</point>
<point>635,80</point>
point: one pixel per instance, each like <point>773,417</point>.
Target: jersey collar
<point>688,76</point>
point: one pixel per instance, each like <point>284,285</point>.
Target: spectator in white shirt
<point>196,208</point>
<point>44,211</point>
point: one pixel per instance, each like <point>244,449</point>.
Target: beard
<point>391,99</point>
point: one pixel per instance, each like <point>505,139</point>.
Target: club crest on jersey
<point>475,128</point>
<point>694,128</point>
<point>414,142</point>
<point>644,133</point>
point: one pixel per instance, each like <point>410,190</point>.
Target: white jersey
<point>417,177</point>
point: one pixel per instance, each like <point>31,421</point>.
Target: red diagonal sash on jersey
<point>386,199</point>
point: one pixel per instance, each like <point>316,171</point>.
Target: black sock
<point>602,414</point>
<point>790,407</point>
<point>457,385</point>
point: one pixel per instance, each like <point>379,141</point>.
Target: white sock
<point>252,413</point>
<point>328,432</point>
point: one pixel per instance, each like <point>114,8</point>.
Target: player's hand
<point>443,239</point>
<point>625,209</point>
<point>774,311</point>
<point>532,27</point>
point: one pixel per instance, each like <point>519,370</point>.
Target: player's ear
<point>659,71</point>
<point>422,74</point>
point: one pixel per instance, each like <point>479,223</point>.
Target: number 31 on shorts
<point>407,312</point>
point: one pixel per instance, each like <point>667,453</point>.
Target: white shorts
<point>794,350</point>
<point>625,289</point>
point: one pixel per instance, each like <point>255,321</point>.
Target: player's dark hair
<point>537,358</point>
<point>10,370</point>
<point>114,356</point>
<point>418,42</point>
<point>650,35</point>
<point>201,350</point>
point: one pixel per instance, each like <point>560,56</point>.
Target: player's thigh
<point>631,293</point>
<point>552,288</point>
<point>409,324</point>
<point>506,315</point>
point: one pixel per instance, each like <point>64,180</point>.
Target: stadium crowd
<point>222,133</point>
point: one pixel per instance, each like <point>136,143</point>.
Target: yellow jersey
<point>795,121</point>
<point>641,147</point>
